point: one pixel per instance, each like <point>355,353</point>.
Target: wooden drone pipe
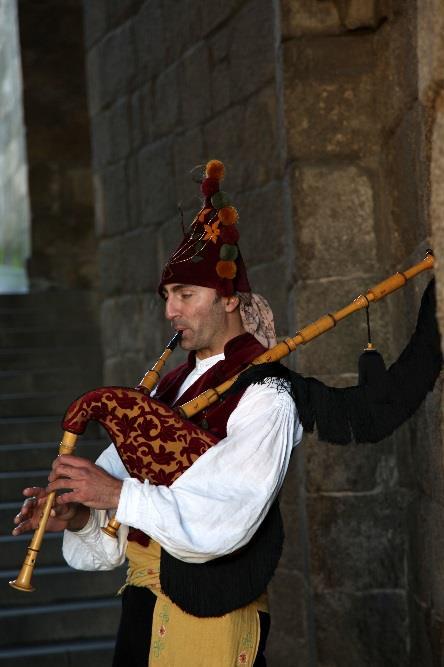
<point>311,331</point>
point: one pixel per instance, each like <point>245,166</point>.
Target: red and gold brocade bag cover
<point>153,441</point>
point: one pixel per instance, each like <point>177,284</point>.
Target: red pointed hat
<point>209,254</point>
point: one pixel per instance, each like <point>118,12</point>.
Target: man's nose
<point>171,309</point>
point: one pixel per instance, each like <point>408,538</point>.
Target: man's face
<point>200,314</point>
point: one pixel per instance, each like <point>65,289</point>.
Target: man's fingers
<point>23,527</point>
<point>68,497</point>
<point>35,491</point>
<point>74,461</point>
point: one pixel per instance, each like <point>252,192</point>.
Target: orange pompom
<point>228,215</point>
<point>226,269</point>
<point>215,169</point>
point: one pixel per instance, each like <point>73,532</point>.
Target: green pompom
<point>228,252</point>
<point>220,199</point>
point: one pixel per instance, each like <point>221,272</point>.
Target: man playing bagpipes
<point>201,530</point>
<point>213,538</point>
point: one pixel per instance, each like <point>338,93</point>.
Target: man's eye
<point>186,295</point>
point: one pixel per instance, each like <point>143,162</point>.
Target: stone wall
<point>58,144</point>
<point>314,108</point>
<point>427,530</point>
<point>14,209</point>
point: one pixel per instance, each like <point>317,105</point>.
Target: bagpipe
<point>158,443</point>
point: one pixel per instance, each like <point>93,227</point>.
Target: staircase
<point>49,355</point>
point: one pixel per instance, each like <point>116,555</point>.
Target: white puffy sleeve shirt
<point>216,506</point>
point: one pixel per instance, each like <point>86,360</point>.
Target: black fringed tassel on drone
<point>384,398</point>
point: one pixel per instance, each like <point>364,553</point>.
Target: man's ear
<point>231,303</point>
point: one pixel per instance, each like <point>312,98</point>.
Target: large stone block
<point>430,35</point>
<point>251,55</point>
<point>150,40</point>
<point>166,103</point>
<point>246,138</point>
<point>114,373</point>
<point>329,59</point>
<point>404,185</point>
<point>112,184</point>
<point>95,20</point>
<point>119,12</point>
<point>357,542</point>
<point>292,504</point>
<point>330,97</point>
<point>220,87</point>
<point>350,468</point>
<point>137,123</point>
<point>334,119</point>
<point>94,79</point>
<point>270,281</point>
<point>364,14</point>
<point>368,629</point>
<point>117,63</point>
<point>134,367</point>
<point>133,191</point>
<point>427,632</point>
<point>101,140</point>
<point>261,225</point>
<point>109,323</point>
<point>288,600</point>
<point>139,259</point>
<point>188,153</point>
<point>185,30</point>
<point>119,129</point>
<point>305,17</point>
<point>426,544</point>
<point>437,199</point>
<point>396,68</point>
<point>128,325</point>
<point>195,90</point>
<point>427,458</point>
<point>335,221</point>
<point>110,266</point>
<point>156,182</point>
<point>217,13</point>
<point>153,325</point>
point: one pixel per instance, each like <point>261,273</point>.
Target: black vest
<point>223,584</point>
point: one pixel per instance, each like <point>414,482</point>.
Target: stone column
<point>14,204</point>
<point>58,144</point>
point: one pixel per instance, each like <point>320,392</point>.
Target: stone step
<point>43,337</point>
<point>32,405</point>
<point>86,619</point>
<point>7,514</point>
<point>12,483</point>
<point>83,653</point>
<point>49,379</point>
<point>13,550</point>
<point>80,356</point>
<point>59,583</point>
<point>16,430</point>
<point>55,309</point>
<point>32,456</point>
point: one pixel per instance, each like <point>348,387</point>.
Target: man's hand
<point>29,516</point>
<point>83,482</point>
